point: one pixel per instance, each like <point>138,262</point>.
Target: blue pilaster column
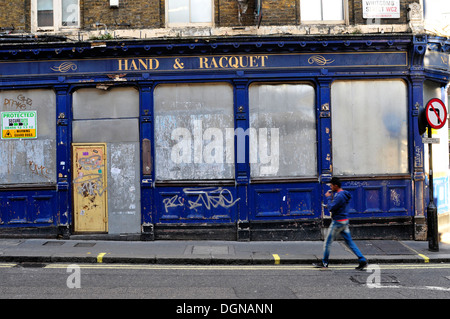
<point>324,127</point>
<point>417,77</point>
<point>147,156</point>
<point>242,160</point>
<point>63,143</point>
<point>325,164</point>
<point>418,172</point>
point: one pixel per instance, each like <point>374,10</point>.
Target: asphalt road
<point>106,281</point>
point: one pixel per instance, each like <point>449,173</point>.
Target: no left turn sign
<point>436,113</point>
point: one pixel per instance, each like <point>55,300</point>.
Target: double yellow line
<point>277,267</point>
<point>242,267</point>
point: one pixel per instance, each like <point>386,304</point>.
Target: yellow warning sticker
<point>19,133</point>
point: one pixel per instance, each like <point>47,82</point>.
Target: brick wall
<point>132,14</point>
<point>287,12</point>
<point>275,12</point>
<point>15,13</point>
<point>150,14</point>
<point>280,12</point>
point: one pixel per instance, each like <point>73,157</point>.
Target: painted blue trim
<point>146,132</point>
<point>63,143</point>
<point>242,170</point>
<point>204,63</point>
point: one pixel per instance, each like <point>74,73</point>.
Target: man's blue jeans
<point>335,229</point>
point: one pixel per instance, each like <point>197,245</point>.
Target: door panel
<point>90,187</point>
<point>192,204</point>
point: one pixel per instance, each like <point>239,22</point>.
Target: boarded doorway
<point>112,117</point>
<point>90,187</point>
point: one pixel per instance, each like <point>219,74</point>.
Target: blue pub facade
<point>231,138</point>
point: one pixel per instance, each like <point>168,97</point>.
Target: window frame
<point>403,159</point>
<point>345,19</point>
<point>57,18</point>
<point>189,24</point>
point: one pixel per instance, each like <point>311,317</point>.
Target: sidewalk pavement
<point>214,252</point>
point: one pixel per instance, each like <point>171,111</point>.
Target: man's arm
<point>334,202</point>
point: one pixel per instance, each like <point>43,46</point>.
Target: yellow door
<point>89,187</point>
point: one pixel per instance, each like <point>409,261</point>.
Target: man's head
<point>335,184</point>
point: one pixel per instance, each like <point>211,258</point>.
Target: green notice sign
<point>17,125</point>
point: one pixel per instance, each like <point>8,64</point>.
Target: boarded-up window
<point>194,131</point>
<point>370,127</point>
<point>282,130</point>
<point>29,160</point>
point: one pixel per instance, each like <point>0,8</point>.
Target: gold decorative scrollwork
<point>64,67</point>
<point>319,60</point>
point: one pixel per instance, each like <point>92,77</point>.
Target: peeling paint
<point>252,30</point>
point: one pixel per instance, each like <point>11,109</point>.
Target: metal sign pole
<point>433,236</point>
<point>436,116</point>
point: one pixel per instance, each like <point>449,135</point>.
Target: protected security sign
<point>17,125</point>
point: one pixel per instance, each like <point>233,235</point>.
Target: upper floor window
<point>437,15</point>
<point>55,14</point>
<point>189,12</point>
<point>322,11</point>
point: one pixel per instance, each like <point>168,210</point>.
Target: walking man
<point>338,200</point>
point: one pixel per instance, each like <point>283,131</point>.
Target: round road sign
<point>436,113</point>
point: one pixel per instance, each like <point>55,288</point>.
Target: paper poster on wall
<point>17,125</point>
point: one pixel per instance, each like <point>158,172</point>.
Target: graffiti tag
<point>209,197</point>
<point>89,185</point>
<point>38,169</point>
<point>91,162</point>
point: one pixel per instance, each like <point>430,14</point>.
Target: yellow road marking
<point>100,257</point>
<point>277,259</point>
<point>426,259</point>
